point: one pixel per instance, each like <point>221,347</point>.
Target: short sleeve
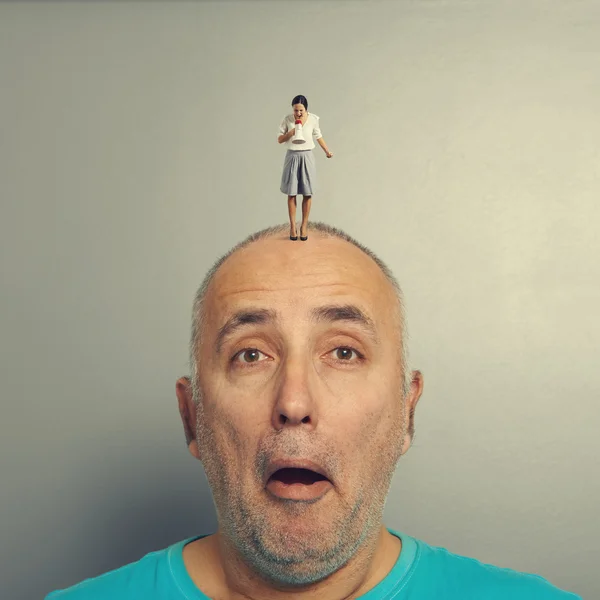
<point>317,129</point>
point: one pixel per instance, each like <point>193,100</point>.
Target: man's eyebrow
<point>348,313</point>
<point>240,319</point>
<point>332,313</point>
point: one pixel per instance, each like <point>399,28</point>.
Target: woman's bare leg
<point>292,214</point>
<point>306,202</point>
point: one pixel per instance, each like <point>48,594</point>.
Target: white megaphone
<point>298,136</point>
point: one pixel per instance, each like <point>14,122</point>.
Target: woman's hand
<point>328,154</point>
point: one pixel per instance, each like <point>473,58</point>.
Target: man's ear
<point>412,398</point>
<point>187,411</point>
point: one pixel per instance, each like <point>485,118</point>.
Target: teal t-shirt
<point>422,572</point>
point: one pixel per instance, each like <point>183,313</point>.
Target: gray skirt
<point>299,173</point>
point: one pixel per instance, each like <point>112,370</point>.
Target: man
<point>299,405</point>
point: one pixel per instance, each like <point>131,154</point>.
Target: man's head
<point>301,401</point>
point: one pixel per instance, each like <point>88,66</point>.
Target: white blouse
<point>310,129</point>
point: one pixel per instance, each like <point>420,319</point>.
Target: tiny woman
<point>300,169</point>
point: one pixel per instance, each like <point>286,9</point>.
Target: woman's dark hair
<point>300,100</point>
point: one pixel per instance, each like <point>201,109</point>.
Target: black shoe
<point>303,238</point>
<point>294,238</point>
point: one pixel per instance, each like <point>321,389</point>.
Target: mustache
<point>300,448</point>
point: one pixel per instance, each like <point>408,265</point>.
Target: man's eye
<point>249,355</point>
<point>346,354</point>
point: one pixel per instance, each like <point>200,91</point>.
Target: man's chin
<point>297,555</point>
<point>295,543</point>
<point>297,532</point>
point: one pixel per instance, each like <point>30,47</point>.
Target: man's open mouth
<point>293,475</point>
<point>298,483</point>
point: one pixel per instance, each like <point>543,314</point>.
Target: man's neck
<point>219,572</point>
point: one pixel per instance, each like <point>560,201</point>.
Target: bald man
<point>299,404</point>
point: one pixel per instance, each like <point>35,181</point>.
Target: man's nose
<point>294,403</point>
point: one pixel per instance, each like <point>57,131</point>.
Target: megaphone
<point>298,136</point>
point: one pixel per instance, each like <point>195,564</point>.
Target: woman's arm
<point>286,136</point>
<point>323,145</point>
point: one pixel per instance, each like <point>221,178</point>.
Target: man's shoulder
<point>145,578</point>
<point>460,573</point>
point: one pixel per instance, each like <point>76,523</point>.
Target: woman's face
<point>299,111</point>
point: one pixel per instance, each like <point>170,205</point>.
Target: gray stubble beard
<point>247,534</point>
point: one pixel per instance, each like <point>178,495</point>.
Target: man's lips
<point>297,480</point>
<point>308,465</point>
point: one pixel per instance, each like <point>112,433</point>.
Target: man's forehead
<point>274,263</point>
<point>273,269</point>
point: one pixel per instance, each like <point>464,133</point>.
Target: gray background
<point>138,142</point>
